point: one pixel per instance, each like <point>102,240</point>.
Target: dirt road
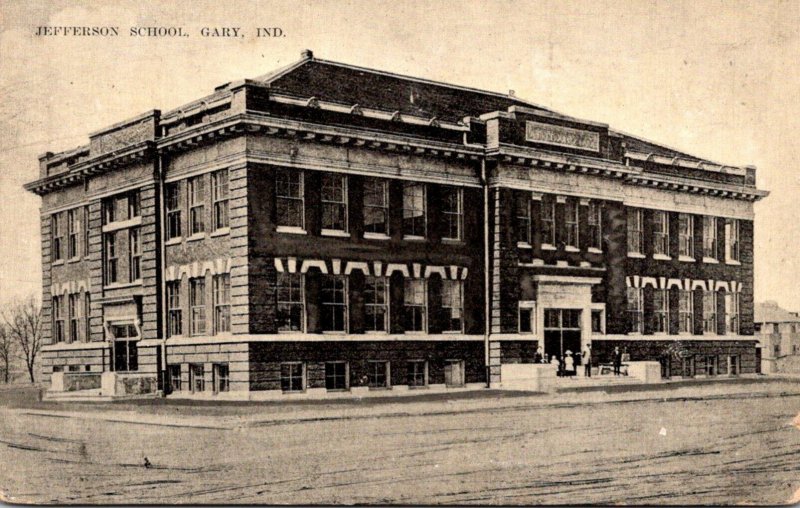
<point>739,450</point>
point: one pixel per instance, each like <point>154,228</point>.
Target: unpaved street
<point>734,450</point>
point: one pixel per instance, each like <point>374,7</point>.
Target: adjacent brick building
<point>327,226</point>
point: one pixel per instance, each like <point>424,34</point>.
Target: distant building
<point>778,331</point>
<point>328,226</point>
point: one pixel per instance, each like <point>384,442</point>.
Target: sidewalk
<point>231,416</point>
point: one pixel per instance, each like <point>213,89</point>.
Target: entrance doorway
<point>562,333</point>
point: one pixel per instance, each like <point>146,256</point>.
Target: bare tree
<point>6,352</point>
<point>23,320</point>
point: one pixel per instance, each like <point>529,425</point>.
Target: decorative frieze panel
<point>198,269</point>
<point>636,281</point>
<point>374,268</point>
<point>538,132</point>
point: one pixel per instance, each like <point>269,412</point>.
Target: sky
<point>716,79</point>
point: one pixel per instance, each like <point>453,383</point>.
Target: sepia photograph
<point>338,252</point>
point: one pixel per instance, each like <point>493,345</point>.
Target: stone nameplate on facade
<point>538,132</point>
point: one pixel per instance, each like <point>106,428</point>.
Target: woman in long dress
<point>569,364</point>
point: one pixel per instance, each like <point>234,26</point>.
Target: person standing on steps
<point>617,360</point>
<point>587,361</point>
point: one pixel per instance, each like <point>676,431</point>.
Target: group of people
<point>566,366</point>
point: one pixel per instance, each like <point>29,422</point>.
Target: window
<point>417,373</point>
<point>291,307</point>
<point>197,207</point>
<point>732,240</point>
<point>685,235</point>
<point>175,378</point>
<point>221,373</point>
<point>595,229</point>
<point>125,352</point>
<point>733,365</point>
<point>334,202</point>
<point>58,318</point>
<point>173,204</point>
<point>453,213</point>
<point>58,237</point>
<point>134,204</point>
<point>85,230</point>
<point>452,305</point>
<point>197,306</point>
<point>222,303</point>
<point>376,206</point>
<point>635,231</point>
<point>413,209</point>
<point>776,328</point>
<point>523,225</point>
<point>333,298</point>
<point>289,198</point>
<point>135,246</point>
<point>377,374</point>
<point>710,312</point>
<point>292,377</point>
<point>660,310</point>
<point>336,376</point>
<point>597,321</point>
<point>685,312</point>
<point>636,309</point>
<point>74,317</point>
<point>110,249</point>
<point>415,305</point>
<point>661,233</point>
<point>220,193</point>
<point>732,312</point>
<point>710,237</point>
<point>527,317</point>
<point>375,299</point>
<point>548,220</point>
<point>87,309</point>
<point>454,373</point>
<point>73,230</point>
<point>571,223</point>
<point>712,365</point>
<point>174,312</point>
<point>197,377</point>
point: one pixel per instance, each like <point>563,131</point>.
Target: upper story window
<point>86,231</point>
<point>220,193</point>
<point>523,218</point>
<point>710,312</point>
<point>172,197</point>
<point>73,231</point>
<point>135,251</point>
<point>375,303</point>
<point>685,235</point>
<point>134,204</point>
<point>122,207</point>
<point>732,240</point>
<point>635,231</point>
<point>57,233</point>
<point>548,220</point>
<point>595,229</point>
<point>74,317</point>
<point>415,301</point>
<point>571,223</point>
<point>290,302</point>
<point>661,233</point>
<point>710,237</point>
<point>222,303</point>
<point>452,213</point>
<point>376,206</point>
<point>197,306</point>
<point>334,303</point>
<point>685,312</point>
<point>197,207</point>
<point>334,202</point>
<point>174,311</point>
<point>660,310</point>
<point>635,309</point>
<point>289,198</point>
<point>453,305</point>
<point>414,216</point>
<point>111,261</point>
